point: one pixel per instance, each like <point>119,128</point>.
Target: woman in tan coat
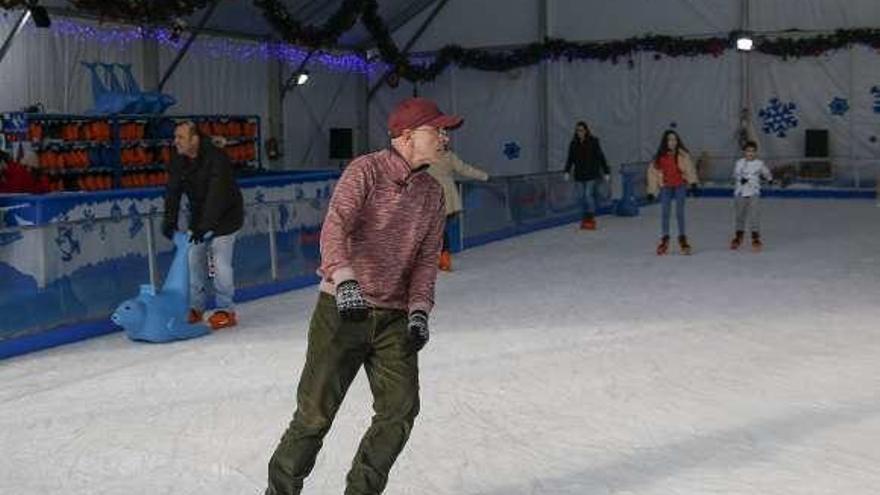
<point>669,175</point>
<point>444,171</point>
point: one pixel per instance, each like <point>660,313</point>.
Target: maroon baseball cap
<point>415,112</point>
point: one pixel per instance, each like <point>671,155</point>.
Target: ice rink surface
<point>561,362</point>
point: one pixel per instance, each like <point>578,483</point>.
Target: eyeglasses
<point>441,132</point>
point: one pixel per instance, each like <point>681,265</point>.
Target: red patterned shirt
<point>384,228</point>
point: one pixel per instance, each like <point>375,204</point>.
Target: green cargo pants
<point>335,353</point>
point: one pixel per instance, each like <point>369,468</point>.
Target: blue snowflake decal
<point>838,106</point>
<point>88,220</point>
<point>137,223</point>
<point>778,117</point>
<point>875,92</point>
<point>511,150</point>
<point>67,245</point>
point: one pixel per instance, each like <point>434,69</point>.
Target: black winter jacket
<point>587,159</point>
<point>208,181</point>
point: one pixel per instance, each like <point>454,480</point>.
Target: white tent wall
<point>474,23</point>
<point>500,109</point>
<point>812,84</point>
<point>805,15</point>
<point>44,67</point>
<point>628,108</point>
<point>697,97</point>
<point>827,77</point>
<point>603,95</point>
<point>206,84</point>
<point>864,113</point>
<point>328,100</point>
<point>576,20</point>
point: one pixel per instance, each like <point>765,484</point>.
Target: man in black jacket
<point>204,173</point>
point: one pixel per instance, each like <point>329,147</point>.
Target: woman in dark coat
<point>586,158</point>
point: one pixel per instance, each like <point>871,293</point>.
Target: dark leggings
<point>449,219</point>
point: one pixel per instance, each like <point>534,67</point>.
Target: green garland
<point>550,49</point>
<point>292,31</point>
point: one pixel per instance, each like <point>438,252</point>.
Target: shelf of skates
<point>85,153</point>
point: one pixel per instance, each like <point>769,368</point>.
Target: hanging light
<point>744,42</point>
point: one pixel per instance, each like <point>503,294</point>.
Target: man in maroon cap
<point>379,247</point>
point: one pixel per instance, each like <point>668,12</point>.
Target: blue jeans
<point>222,248</point>
<point>667,194</point>
<point>588,207</point>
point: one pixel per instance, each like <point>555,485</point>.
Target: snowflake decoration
<point>778,117</point>
<point>838,106</point>
<point>511,150</point>
<point>875,92</point>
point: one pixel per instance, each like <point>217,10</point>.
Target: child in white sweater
<point>747,175</point>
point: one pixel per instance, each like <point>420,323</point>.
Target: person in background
<point>747,175</point>
<point>379,247</point>
<point>444,170</point>
<point>585,156</point>
<point>670,174</point>
<point>204,173</point>
<point>15,177</point>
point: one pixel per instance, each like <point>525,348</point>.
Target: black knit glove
<point>693,189</point>
<point>198,236</point>
<point>650,198</point>
<point>418,329</point>
<point>350,301</point>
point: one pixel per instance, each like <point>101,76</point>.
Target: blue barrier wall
<point>67,260</point>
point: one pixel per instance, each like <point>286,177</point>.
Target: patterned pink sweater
<point>384,228</point>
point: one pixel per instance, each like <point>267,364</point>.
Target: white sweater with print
<point>752,171</point>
